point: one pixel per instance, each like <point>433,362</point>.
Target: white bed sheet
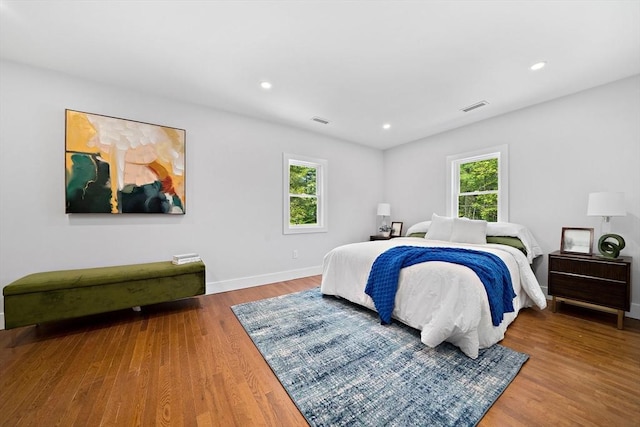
<point>446,302</point>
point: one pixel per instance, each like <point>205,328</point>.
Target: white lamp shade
<point>606,204</point>
<point>384,209</point>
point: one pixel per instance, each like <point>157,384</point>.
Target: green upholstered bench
<point>65,294</point>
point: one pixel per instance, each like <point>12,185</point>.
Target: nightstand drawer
<point>588,289</point>
<point>601,269</point>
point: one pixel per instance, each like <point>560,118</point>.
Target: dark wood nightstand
<point>591,281</point>
<point>376,237</point>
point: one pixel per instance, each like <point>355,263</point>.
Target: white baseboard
<point>246,282</point>
<point>634,313</point>
<point>263,279</point>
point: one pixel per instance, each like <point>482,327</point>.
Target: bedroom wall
<point>559,152</point>
<point>234,188</point>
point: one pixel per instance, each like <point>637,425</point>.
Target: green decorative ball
<point>610,249</point>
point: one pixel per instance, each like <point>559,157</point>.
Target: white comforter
<point>447,302</point>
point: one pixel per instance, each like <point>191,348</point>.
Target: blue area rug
<point>341,367</point>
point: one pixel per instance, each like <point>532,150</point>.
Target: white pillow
<point>469,231</point>
<point>519,231</point>
<point>440,228</point>
<point>421,227</point>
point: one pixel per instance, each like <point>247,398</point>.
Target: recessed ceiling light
<point>386,126</point>
<point>265,85</point>
<point>538,66</point>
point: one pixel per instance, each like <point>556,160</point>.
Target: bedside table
<point>376,237</point>
<point>591,281</point>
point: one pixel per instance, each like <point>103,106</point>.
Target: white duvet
<point>446,302</point>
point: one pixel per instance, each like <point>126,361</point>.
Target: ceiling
<point>357,64</point>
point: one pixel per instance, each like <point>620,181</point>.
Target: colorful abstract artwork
<point>123,166</point>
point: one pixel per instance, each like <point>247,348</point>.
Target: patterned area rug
<point>341,367</point>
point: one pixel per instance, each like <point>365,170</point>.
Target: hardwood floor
<point>191,363</point>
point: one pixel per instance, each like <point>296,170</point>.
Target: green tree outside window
<point>304,194</point>
<point>478,194</point>
<point>303,198</point>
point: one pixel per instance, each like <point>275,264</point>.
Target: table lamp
<point>606,205</point>
<point>384,210</point>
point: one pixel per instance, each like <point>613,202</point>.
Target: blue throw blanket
<point>382,284</point>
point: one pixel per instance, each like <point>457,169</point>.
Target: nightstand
<point>376,237</point>
<point>591,281</point>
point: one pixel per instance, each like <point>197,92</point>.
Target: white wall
<point>559,152</point>
<point>233,194</point>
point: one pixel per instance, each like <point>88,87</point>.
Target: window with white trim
<point>477,185</point>
<point>305,194</point>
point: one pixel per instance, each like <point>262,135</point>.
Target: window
<point>477,185</point>
<point>305,194</point>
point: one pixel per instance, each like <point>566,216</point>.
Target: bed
<point>445,301</point>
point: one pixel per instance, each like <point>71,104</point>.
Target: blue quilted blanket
<point>382,284</point>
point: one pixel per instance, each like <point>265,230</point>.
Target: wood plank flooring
<point>190,363</point>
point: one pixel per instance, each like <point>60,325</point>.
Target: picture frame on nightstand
<point>396,229</point>
<point>576,241</point>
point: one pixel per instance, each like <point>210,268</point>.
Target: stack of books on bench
<point>186,258</point>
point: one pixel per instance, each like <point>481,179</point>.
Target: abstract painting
<point>123,166</point>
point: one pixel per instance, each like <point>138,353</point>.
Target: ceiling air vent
<point>474,106</point>
<point>319,120</point>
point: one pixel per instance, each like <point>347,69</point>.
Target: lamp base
<point>609,249</point>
